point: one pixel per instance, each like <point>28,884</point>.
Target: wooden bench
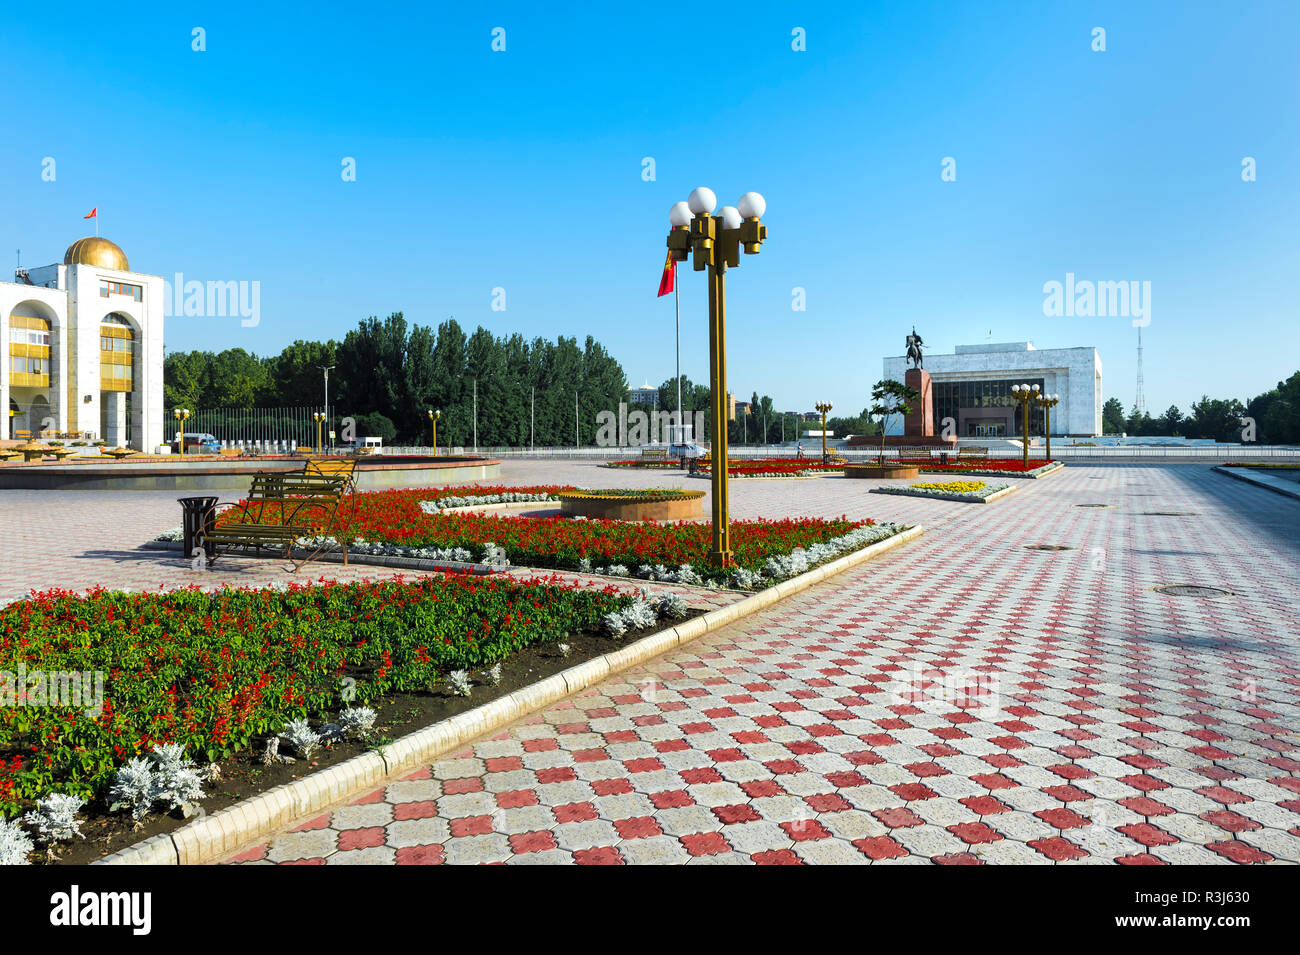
<point>333,467</point>
<point>913,453</point>
<point>282,507</point>
<point>972,452</point>
<point>654,454</point>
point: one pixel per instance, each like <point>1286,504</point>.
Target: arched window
<point>29,351</point>
<point>116,354</point>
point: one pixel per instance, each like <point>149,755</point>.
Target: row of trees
<point>388,375</point>
<point>1269,418</point>
<point>763,424</point>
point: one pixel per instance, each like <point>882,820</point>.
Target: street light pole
<point>716,242</point>
<point>823,407</point>
<point>434,416</point>
<point>327,369</point>
<point>1026,395</point>
<point>182,415</point>
<point>1047,403</point>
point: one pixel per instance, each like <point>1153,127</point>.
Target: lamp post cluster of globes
<point>715,242</point>
<point>824,407</point>
<point>1034,395</point>
<point>433,418</point>
<point>181,415</point>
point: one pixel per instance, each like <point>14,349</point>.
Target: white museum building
<point>85,349</point>
<point>973,387</point>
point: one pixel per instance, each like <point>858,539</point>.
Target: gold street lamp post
<point>716,243</point>
<point>181,415</point>
<point>823,407</point>
<point>434,416</point>
<point>1026,395</point>
<point>319,418</point>
<point>1047,403</point>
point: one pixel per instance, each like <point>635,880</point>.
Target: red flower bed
<point>213,671</point>
<point>776,465</point>
<point>989,464</point>
<point>395,517</point>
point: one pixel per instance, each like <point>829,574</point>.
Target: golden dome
<point>92,250</point>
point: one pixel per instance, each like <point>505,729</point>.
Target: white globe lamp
<point>702,201</point>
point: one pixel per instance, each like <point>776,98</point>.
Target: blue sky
<point>523,170</point>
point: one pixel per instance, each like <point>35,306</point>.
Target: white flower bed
<point>983,494</point>
<point>478,500</point>
<point>732,475</point>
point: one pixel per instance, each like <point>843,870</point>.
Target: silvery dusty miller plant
<point>458,682</point>
<point>14,844</point>
<point>132,788</point>
<point>357,720</point>
<point>672,606</point>
<point>176,780</point>
<point>300,735</point>
<point>55,818</point>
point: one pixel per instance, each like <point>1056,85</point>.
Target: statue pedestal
<point>919,422</point>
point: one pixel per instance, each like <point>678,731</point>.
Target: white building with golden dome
<point>85,355</point>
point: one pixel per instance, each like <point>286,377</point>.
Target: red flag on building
<point>93,213</point>
<point>670,275</point>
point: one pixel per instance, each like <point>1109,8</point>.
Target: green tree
<point>298,377</point>
<point>236,379</point>
<point>889,398</point>
<point>1218,418</point>
<point>1171,421</point>
<point>1112,416</point>
<point>185,376</point>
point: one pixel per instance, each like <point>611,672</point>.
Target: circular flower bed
<point>633,504</point>
<point>880,471</point>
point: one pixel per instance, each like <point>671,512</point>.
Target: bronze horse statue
<point>914,343</point>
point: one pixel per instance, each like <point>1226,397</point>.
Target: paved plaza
<point>963,699</point>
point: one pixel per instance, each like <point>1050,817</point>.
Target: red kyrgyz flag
<point>93,213</point>
<point>670,274</point>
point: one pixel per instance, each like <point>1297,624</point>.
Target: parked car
<point>687,451</point>
<point>198,443</point>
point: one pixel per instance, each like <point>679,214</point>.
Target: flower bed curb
<point>945,496</point>
<point>1264,480</point>
<point>1035,474</point>
<point>217,837</point>
<point>370,560</point>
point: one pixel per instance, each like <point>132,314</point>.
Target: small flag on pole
<point>94,213</point>
<point>670,274</point>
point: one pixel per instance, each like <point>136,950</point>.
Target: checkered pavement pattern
<point>963,700</point>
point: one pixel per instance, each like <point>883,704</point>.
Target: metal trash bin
<point>198,519</point>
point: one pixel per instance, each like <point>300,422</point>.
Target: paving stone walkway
<point>964,700</point>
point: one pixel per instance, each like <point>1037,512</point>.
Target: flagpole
<point>677,302</point>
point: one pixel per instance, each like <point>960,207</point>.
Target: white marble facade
<point>1073,373</point>
<point>67,317</point>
